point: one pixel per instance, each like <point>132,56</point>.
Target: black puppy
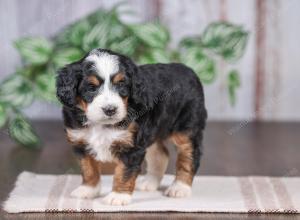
<point>116,111</point>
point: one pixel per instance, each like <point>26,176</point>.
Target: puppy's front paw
<point>148,183</point>
<point>86,192</point>
<point>178,189</point>
<point>114,198</point>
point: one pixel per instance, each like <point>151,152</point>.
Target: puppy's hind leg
<point>157,159</point>
<point>187,164</point>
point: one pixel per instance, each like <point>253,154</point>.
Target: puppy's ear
<point>67,82</point>
<point>140,93</point>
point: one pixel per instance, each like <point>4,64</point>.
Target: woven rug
<point>51,193</point>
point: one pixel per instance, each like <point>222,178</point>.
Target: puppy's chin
<point>110,121</point>
<point>105,121</point>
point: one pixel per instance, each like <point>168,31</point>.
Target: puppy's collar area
<point>124,124</point>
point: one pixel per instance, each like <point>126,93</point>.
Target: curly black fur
<point>162,99</point>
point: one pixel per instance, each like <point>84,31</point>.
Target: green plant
<point>145,43</point>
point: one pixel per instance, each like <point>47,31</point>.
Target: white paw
<point>178,189</point>
<point>148,183</point>
<point>114,198</point>
<point>86,192</point>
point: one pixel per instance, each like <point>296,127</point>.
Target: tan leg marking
<point>123,184</point>
<point>90,187</point>
<point>181,187</point>
<point>90,170</point>
<point>184,163</point>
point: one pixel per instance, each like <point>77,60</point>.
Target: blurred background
<point>246,52</point>
<point>266,87</point>
<point>269,69</point>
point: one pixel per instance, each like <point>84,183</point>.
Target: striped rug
<point>51,193</point>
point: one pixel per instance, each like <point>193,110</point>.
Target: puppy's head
<point>100,85</point>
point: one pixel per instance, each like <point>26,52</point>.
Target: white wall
<point>270,68</point>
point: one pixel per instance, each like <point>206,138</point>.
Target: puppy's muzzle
<point>109,110</point>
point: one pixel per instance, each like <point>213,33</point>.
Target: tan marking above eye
<point>94,80</point>
<point>119,77</point>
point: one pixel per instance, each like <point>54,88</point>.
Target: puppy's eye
<point>121,83</point>
<point>91,88</point>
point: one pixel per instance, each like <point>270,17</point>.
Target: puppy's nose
<point>109,110</point>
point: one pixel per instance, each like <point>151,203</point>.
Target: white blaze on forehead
<point>106,64</point>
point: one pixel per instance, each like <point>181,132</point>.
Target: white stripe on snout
<point>110,97</point>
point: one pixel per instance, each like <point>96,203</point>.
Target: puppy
<point>115,111</point>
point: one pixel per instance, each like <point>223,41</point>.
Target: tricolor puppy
<point>115,111</point>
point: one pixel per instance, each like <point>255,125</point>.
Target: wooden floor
<point>229,149</point>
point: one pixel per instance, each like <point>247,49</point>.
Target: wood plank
<point>256,149</point>
<point>282,63</point>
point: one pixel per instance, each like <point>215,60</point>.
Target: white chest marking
<point>99,139</point>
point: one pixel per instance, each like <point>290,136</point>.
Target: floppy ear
<point>67,82</point>
<point>140,93</point>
